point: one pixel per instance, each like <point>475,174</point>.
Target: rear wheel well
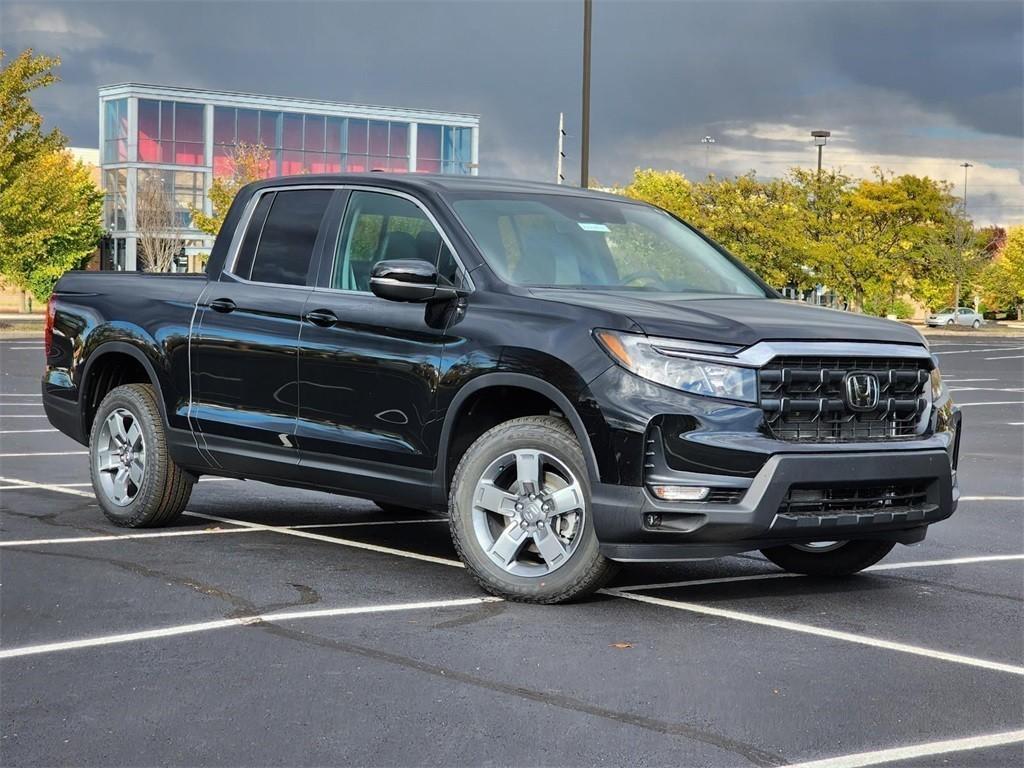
<point>487,408</point>
<point>110,370</point>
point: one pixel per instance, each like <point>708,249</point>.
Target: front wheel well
<point>487,408</point>
<point>108,371</point>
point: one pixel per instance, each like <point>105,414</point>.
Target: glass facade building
<point>168,143</point>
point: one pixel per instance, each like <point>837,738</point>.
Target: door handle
<point>322,317</point>
<point>222,305</point>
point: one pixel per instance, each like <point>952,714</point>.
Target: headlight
<point>938,388</point>
<point>685,365</point>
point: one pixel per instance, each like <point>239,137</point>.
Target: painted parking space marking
<point>784,575</point>
<point>1007,357</point>
<point>992,498</point>
<point>987,349</point>
<point>998,402</point>
<point>810,629</point>
<point>927,749</point>
<point>25,431</point>
<point>262,618</point>
<point>45,486</point>
<point>22,415</point>
<point>202,532</point>
<point>42,453</point>
<point>332,540</point>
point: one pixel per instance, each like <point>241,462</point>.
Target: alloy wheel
<point>528,512</point>
<point>120,457</point>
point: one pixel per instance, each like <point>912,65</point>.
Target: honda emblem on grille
<point>861,391</point>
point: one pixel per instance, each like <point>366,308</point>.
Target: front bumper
<point>623,515</point>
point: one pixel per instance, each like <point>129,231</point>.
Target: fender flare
<point>108,347</point>
<point>523,381</point>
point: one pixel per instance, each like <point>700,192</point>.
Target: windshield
<point>568,241</point>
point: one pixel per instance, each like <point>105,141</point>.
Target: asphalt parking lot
<point>280,627</point>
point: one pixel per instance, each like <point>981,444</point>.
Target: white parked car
<point>961,316</point>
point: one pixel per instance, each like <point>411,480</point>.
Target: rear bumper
<point>694,530</point>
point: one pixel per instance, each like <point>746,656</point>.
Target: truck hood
<point>733,320</point>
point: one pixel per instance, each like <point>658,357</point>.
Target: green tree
<point>49,222</point>
<point>1002,280</point>
<point>49,207</point>
<point>21,127</point>
<point>248,162</point>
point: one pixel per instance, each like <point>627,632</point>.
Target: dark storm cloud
<point>664,73</point>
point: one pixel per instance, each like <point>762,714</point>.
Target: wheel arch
<point>103,356</point>
<point>500,380</point>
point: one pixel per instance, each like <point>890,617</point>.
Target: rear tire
<point>848,558</point>
<point>136,482</point>
<point>976,324</point>
<point>520,513</point>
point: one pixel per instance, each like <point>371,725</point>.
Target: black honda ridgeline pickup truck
<point>576,379</point>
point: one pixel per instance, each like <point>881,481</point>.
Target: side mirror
<point>410,280</point>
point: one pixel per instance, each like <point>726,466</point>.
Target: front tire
<point>840,558</point>
<point>521,516</point>
<point>136,482</point>
<point>976,324</point>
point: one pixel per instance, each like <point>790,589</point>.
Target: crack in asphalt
<point>242,606</point>
<point>752,754</point>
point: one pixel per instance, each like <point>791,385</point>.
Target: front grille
<point>805,501</point>
<point>804,399</point>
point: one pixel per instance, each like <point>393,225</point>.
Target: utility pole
<point>559,177</point>
<point>707,141</point>
<point>585,118</point>
<point>965,166</point>
<point>820,138</point>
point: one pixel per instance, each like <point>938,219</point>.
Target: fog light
<point>680,492</point>
<point>652,520</point>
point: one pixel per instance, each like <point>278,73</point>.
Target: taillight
<point>51,310</point>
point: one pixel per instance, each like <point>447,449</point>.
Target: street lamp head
<point>820,137</point>
<point>966,165</point>
<point>708,140</point>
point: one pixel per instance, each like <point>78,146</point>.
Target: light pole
<point>820,138</point>
<point>585,118</point>
<point>965,166</point>
<point>707,141</point>
<point>560,154</point>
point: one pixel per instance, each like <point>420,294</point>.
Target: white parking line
<point>999,402</point>
<point>202,532</point>
<point>44,486</point>
<point>988,349</point>
<point>15,394</point>
<point>992,498</point>
<point>22,415</point>
<point>986,389</point>
<point>42,453</point>
<point>24,431</point>
<point>120,536</point>
<point>332,540</point>
<point>1006,357</point>
<point>783,575</point>
<point>263,618</point>
<point>809,629</point>
<point>914,751</point>
<point>963,381</point>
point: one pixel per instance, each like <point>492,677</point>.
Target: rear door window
<point>286,238</point>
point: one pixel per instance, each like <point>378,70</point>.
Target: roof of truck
<point>435,183</point>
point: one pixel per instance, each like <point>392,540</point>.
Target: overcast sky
<point>913,87</point>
